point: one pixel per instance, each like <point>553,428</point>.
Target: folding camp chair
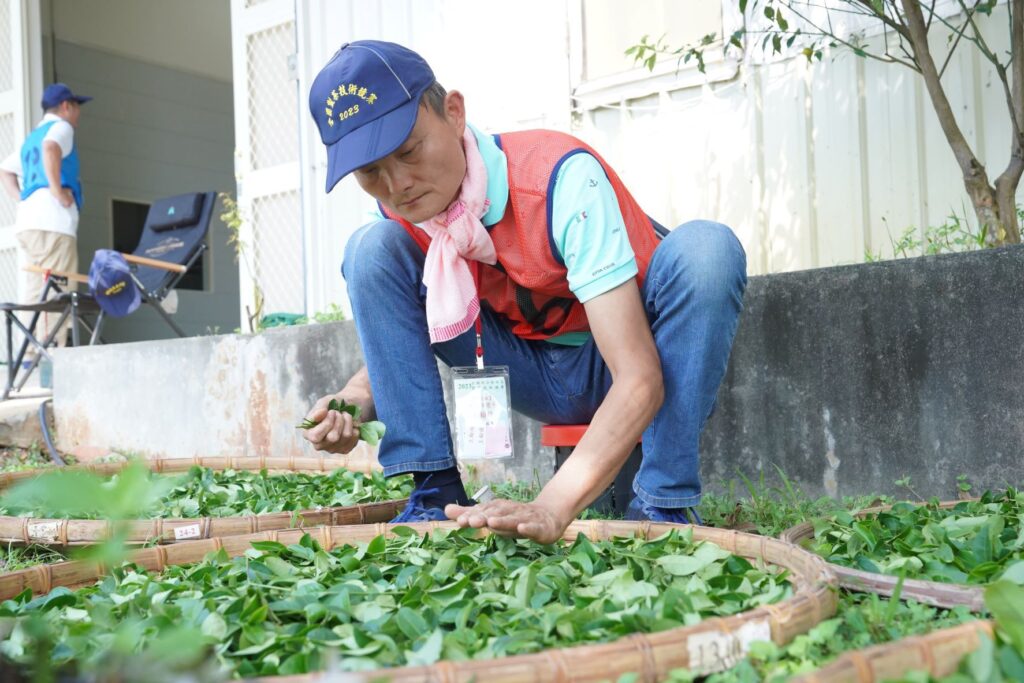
<point>173,239</point>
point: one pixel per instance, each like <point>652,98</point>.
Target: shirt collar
<point>497,176</point>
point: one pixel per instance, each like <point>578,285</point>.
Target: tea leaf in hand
<point>372,432</point>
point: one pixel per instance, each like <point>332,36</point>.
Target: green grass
<point>13,558</point>
<point>758,505</point>
<point>767,508</point>
<point>17,459</point>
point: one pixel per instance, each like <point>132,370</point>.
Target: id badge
<point>483,413</point>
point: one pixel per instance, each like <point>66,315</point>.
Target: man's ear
<point>455,109</point>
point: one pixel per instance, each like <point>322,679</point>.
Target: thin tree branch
<point>931,15</point>
<point>968,162</point>
<point>1009,179</point>
<point>820,31</point>
<point>979,40</point>
<point>901,29</point>
<point>1016,8</point>
<point>959,34</point>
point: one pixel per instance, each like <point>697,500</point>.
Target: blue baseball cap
<point>365,101</point>
<point>112,285</point>
<point>55,93</point>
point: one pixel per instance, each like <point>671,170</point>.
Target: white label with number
<point>713,651</point>
<point>188,531</point>
<point>43,531</point>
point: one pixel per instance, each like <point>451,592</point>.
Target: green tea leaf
<point>372,432</point>
<point>214,627</point>
<point>1006,602</point>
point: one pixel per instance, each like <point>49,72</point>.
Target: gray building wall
<point>151,132</point>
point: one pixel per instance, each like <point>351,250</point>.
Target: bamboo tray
<point>935,593</point>
<point>77,532</point>
<point>712,645</point>
<point>939,653</point>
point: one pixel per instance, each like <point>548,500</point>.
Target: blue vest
<point>34,173</point>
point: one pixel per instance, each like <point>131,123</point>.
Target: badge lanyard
<point>483,402</point>
<point>478,324</point>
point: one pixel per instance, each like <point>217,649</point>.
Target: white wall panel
<point>839,198</point>
<point>788,177</point>
<point>811,165</point>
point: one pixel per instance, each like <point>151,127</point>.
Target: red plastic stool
<point>616,497</point>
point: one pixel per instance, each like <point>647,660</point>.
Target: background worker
<point>49,195</point>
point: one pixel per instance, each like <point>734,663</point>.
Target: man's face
<point>70,111</point>
<point>422,177</point>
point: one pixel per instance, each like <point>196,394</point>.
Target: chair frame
<point>70,303</point>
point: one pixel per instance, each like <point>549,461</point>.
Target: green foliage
<point>863,620</point>
<point>370,432</point>
<point>405,600</point>
<point>234,219</point>
<point>14,459</point>
<point>202,492</point>
<point>83,494</point>
<point>975,542</point>
<point>15,557</point>
<point>769,509</point>
<point>955,235</point>
<point>333,314</point>
<point>998,661</point>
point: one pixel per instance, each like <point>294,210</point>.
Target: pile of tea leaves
<point>201,492</point>
<point>995,661</point>
<point>863,620</point>
<point>401,601</point>
<point>975,542</point>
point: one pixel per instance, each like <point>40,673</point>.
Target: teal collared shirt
<point>586,224</point>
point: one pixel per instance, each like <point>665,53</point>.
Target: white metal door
<point>267,155</point>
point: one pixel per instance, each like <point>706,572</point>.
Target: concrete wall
<point>151,132</point>
<point>216,395</point>
<point>846,378</point>
<point>849,378</point>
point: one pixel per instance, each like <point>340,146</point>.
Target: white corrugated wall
<point>812,165</point>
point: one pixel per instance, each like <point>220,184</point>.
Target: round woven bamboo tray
<point>712,645</point>
<point>935,593</point>
<point>939,653</point>
<point>76,532</point>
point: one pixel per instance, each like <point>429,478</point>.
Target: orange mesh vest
<point>529,284</point>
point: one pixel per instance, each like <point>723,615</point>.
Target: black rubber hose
<point>54,455</point>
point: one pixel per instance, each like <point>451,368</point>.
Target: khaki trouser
<point>54,251</point>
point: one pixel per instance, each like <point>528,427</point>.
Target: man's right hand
<point>64,196</point>
<point>336,432</point>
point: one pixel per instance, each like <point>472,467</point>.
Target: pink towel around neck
<point>456,234</point>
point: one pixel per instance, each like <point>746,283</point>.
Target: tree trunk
<point>996,209</point>
<point>1006,206</point>
<point>986,208</point>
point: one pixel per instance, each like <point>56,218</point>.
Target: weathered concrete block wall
<point>225,395</point>
<point>847,378</point>
<point>217,395</point>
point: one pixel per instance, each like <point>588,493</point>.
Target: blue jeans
<point>693,295</point>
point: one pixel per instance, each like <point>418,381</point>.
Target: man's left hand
<point>509,518</point>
